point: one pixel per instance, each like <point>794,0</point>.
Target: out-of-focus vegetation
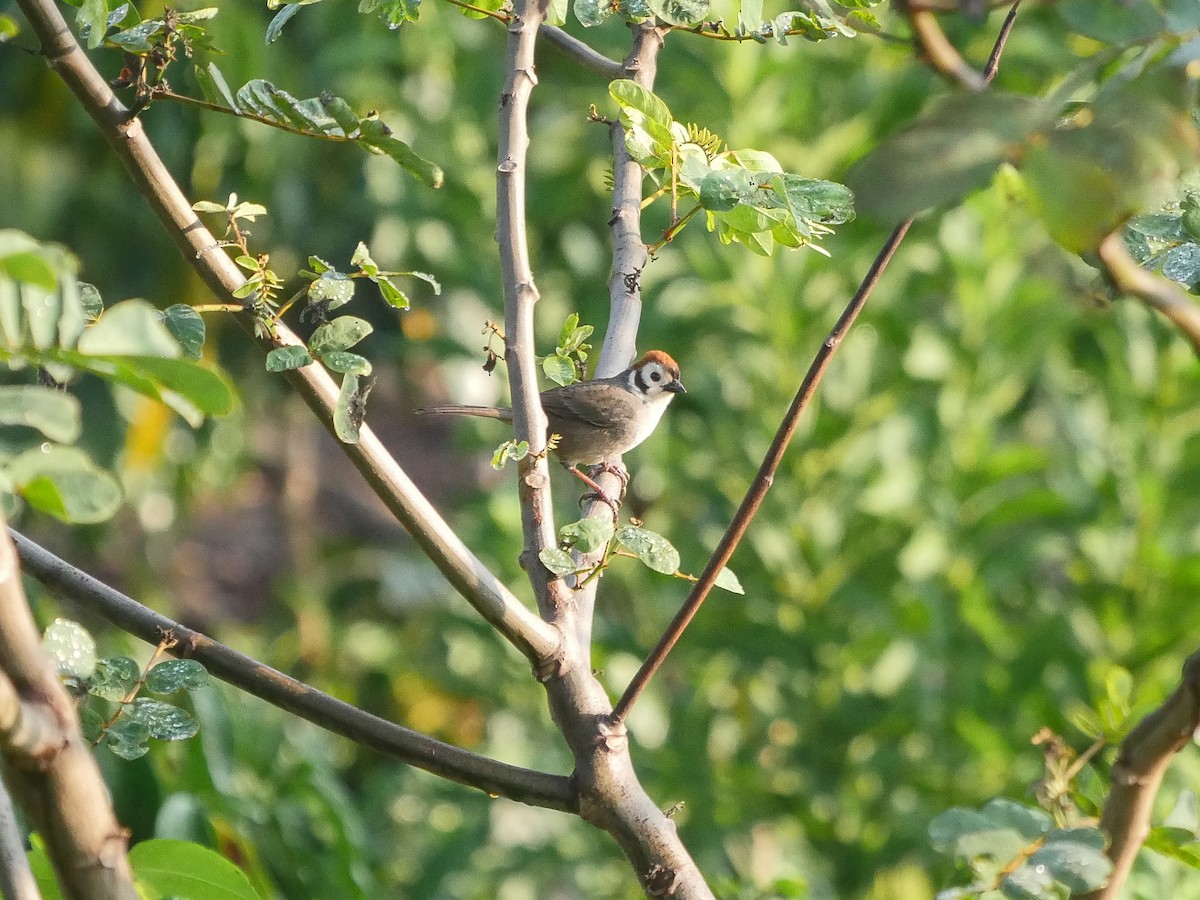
<point>985,520</point>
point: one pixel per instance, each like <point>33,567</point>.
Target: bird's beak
<point>675,387</point>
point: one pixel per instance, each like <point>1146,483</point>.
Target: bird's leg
<point>596,492</point>
<point>616,470</point>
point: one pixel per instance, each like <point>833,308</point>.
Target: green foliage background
<point>991,505</point>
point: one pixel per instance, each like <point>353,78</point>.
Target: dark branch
<point>278,689</point>
<point>762,482</point>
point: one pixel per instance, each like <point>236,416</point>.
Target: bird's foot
<point>597,492</point>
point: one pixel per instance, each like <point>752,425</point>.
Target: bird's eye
<point>655,376</point>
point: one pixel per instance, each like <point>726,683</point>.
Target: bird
<point>598,419</point>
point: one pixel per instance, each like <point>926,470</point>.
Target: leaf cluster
<point>55,326</point>
<point>745,195</point>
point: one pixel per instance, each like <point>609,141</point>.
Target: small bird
<point>599,419</point>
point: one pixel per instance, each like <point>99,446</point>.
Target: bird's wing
<point>588,402</point>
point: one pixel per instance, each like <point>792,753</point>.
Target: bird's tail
<point>483,412</point>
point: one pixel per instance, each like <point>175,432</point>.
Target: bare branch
<point>1154,290</point>
<point>763,480</point>
<point>592,60</point>
<point>285,692</point>
<point>60,788</point>
<point>520,297</point>
<point>537,640</point>
<point>1145,754</point>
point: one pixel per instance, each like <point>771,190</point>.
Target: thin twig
<point>993,63</point>
<point>536,639</point>
<point>285,692</point>
<point>490,13</point>
<point>762,481</point>
<point>1145,755</point>
<point>1156,291</point>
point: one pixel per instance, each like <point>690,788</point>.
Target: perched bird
<point>599,419</point>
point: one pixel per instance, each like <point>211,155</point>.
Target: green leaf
<point>281,359</point>
<point>339,110</point>
<point>651,548</point>
<point>89,300</point>
<point>391,294</point>
<point>362,259</point>
<point>129,328</point>
<point>187,327</point>
<point>333,288</point>
<point>559,369</point>
<point>680,12</point>
<point>9,28</point>
<point>185,869</point>
<point>115,678</point>
<point>510,449</point>
<point>951,150</point>
<point>376,135</point>
<point>347,414</point>
<point>163,721</point>
<point>557,561</point>
<point>92,21</point>
<point>63,482</point>
<point>281,19</point>
<point>54,413</point>
<point>727,581</point>
<point>216,90</point>
<point>592,12</point>
<point>394,12</point>
<point>128,738</point>
<point>340,334</point>
<point>174,675</point>
<point>1127,22</point>
<point>1074,858</point>
<point>346,362</point>
<point>73,648</point>
<point>587,535</point>
<point>43,869</point>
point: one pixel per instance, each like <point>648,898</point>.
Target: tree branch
<point>520,297</point>
<point>1156,291</point>
<point>1145,754</point>
<point>16,877</point>
<point>537,640</point>
<point>590,59</point>
<point>624,288</point>
<point>285,692</point>
<point>48,766</point>
<point>763,480</point>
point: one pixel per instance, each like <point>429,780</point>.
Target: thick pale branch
<point>520,298</point>
<point>278,689</point>
<point>624,284</point>
<point>469,576</point>
<point>1154,290</point>
<point>1145,754</point>
<point>16,877</point>
<point>60,788</point>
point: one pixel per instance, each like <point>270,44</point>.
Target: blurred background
<point>989,510</point>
